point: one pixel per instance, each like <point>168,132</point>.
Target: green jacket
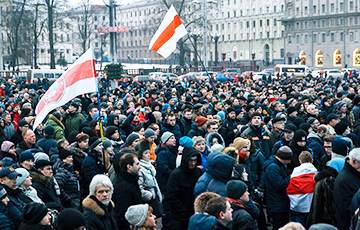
<point>72,122</point>
<point>59,128</point>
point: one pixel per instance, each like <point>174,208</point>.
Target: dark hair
<point>216,205</point>
<point>127,159</point>
<point>61,142</point>
<point>329,138</point>
<point>171,114</point>
<point>210,124</point>
<point>305,157</point>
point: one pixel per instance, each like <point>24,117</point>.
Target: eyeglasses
<point>327,147</point>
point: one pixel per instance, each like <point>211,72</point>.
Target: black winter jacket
<point>126,193</point>
<point>227,130</point>
<point>45,190</point>
<point>68,183</point>
<point>276,182</point>
<point>244,217</point>
<point>347,184</point>
<point>166,163</point>
<point>180,190</point>
<point>98,216</point>
<point>5,222</point>
<point>14,206</point>
<point>195,131</point>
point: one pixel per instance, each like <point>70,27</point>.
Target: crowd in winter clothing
<point>234,155</point>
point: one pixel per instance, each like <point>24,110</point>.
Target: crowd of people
<point>280,154</point>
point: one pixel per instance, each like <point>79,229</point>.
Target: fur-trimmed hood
<point>90,203</point>
<point>57,121</point>
<point>40,178</point>
<point>201,201</point>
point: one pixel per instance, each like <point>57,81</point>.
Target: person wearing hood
<point>340,147</point>
<point>245,212</point>
<point>221,170</point>
<point>8,150</point>
<point>297,145</point>
<point>316,143</point>
<point>180,188</point>
<point>72,118</point>
<point>112,133</point>
<point>55,120</point>
<point>67,180</point>
<point>323,203</point>
<point>276,180</point>
<point>47,142</point>
<point>259,134</point>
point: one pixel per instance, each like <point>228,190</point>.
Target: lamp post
<point>101,49</point>
<point>216,39</point>
<point>195,37</point>
<point>253,60</point>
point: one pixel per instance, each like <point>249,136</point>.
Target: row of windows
<point>317,38</point>
<point>246,12</point>
<point>323,9</point>
<point>245,24</point>
<point>48,51</point>
<point>324,23</point>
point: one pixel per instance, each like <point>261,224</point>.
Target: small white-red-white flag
<point>79,79</point>
<point>171,30</point>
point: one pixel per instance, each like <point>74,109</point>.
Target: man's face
<point>333,122</point>
<point>99,147</point>
<point>192,162</point>
<point>47,171</point>
<point>27,164</point>
<point>11,183</point>
<point>171,142</point>
<point>280,125</point>
<point>232,115</point>
<point>171,121</point>
<point>27,182</point>
<point>135,168</point>
<point>327,147</point>
<point>311,109</point>
<point>151,139</point>
<point>288,135</point>
<point>187,115</point>
<point>251,111</point>
<point>227,216</point>
<point>84,144</point>
<point>72,109</point>
<point>93,111</point>
<point>30,137</point>
<point>245,196</point>
<point>103,194</point>
<point>46,220</point>
<point>213,128</point>
<point>343,109</point>
<point>256,121</point>
<point>7,118</point>
<point>69,160</point>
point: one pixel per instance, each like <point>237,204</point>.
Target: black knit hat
<point>284,153</point>
<point>70,219</point>
<point>110,131</point>
<point>64,153</point>
<point>290,110</point>
<point>235,189</point>
<point>49,130</point>
<point>93,142</point>
<point>340,128</point>
<point>33,213</point>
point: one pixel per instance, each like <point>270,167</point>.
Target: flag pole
<point>207,73</point>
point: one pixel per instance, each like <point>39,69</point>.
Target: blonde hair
<point>292,226</point>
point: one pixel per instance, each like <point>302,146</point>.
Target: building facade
<point>322,33</point>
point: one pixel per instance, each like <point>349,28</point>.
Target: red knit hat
<point>200,121</point>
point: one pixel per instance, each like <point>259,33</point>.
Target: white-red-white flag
<point>79,79</point>
<point>171,30</point>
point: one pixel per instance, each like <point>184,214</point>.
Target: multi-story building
<point>322,33</point>
<point>243,29</point>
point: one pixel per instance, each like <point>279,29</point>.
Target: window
<point>274,9</point>
<point>247,24</point>
<point>314,9</point>
<point>103,18</point>
<point>267,34</point>
<point>282,8</point>
<point>306,38</point>
<point>323,37</point>
<point>323,23</point>
<point>306,10</point>
<point>68,37</point>
<point>351,21</point>
<point>282,53</point>
<point>268,22</point>
<point>289,39</point>
<point>314,23</point>
<point>323,8</point>
<point>95,18</point>
<point>228,14</point>
<point>234,13</point>
<point>297,39</point>
<point>351,36</point>
<point>267,9</point>
<point>332,7</point>
<point>341,6</point>
<point>234,2</point>
<point>341,36</point>
<point>261,35</point>
<point>315,38</point>
<point>254,24</point>
<point>332,37</point>
<point>351,6</point>
<point>260,23</point>
<point>275,21</point>
<point>297,11</point>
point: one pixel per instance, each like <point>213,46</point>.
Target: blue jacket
<point>317,145</point>
<point>276,181</point>
<point>205,179</point>
<point>91,166</point>
<point>46,143</point>
<point>14,206</point>
<point>222,168</point>
<point>202,221</point>
<point>195,131</point>
<point>166,163</point>
<point>5,222</point>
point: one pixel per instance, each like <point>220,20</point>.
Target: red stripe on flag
<point>81,71</point>
<point>167,33</point>
<point>302,184</point>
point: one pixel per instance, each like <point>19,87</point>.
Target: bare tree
<point>50,4</point>
<point>84,16</point>
<point>12,18</point>
<point>37,28</point>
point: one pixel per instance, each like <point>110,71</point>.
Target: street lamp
<point>195,37</point>
<point>253,60</point>
<point>216,39</point>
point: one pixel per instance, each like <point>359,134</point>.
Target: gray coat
<point>147,182</point>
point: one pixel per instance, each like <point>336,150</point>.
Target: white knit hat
<point>24,174</point>
<point>136,214</point>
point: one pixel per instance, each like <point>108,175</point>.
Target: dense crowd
<point>199,155</point>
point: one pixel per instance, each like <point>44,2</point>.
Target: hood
<point>209,161</point>
<point>222,167</point>
<point>213,137</point>
<point>187,153</point>
<point>110,119</point>
<point>269,161</point>
<point>201,201</point>
<point>339,145</point>
<point>298,135</point>
<point>202,221</point>
<point>326,172</point>
<point>40,178</point>
<point>313,135</point>
<point>94,206</point>
<point>54,122</point>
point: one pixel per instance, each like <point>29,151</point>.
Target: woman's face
<point>200,146</point>
<point>246,147</point>
<point>150,221</point>
<point>146,156</point>
<point>116,135</point>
